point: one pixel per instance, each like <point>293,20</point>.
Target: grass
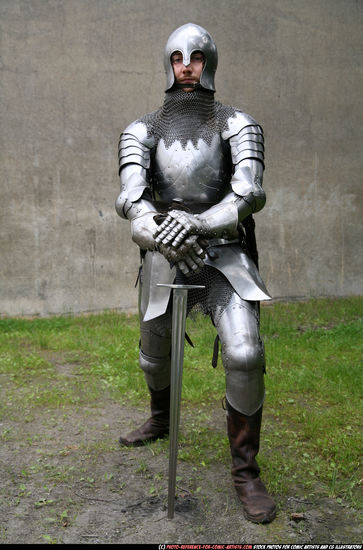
<point>311,436</point>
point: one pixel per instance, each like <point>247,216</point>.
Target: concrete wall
<point>74,73</point>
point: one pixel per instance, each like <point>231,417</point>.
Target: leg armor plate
<point>242,355</point>
<point>155,351</point>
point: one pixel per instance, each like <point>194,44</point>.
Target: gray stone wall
<point>74,73</point>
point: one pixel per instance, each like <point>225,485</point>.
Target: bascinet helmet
<point>187,39</point>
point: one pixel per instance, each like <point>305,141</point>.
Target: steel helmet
<point>187,39</point>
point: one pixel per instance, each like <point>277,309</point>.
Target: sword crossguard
<point>181,287</point>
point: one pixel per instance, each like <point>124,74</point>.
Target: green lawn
<point>312,422</point>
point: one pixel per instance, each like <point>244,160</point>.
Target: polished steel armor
<point>208,159</point>
<point>188,39</point>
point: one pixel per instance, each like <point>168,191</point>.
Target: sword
<point>180,295</point>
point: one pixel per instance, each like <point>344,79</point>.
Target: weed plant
<point>311,436</point>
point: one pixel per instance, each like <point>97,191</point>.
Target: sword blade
<point>177,355</point>
<point>180,297</point>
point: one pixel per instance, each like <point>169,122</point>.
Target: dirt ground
<point>65,480</point>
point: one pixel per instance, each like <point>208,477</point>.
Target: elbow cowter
<point>256,199</point>
<point>246,183</point>
<point>260,199</point>
<point>120,204</point>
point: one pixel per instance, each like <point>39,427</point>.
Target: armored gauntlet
<point>219,221</point>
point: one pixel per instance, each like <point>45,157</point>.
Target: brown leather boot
<point>244,440</point>
<point>157,426</point>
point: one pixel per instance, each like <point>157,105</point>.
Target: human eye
<point>198,58</point>
<point>176,59</point>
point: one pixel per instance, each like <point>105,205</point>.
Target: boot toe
<point>258,505</point>
<point>147,433</point>
<point>132,440</point>
<point>260,510</point>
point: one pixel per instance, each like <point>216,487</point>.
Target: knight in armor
<point>191,179</point>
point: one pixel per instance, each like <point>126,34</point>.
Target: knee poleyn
<point>153,365</point>
<point>245,356</point>
<point>156,370</point>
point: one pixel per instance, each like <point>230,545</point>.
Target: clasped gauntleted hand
<point>177,226</point>
<point>177,238</point>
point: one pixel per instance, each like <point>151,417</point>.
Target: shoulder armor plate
<point>134,146</point>
<point>245,137</point>
<point>236,123</point>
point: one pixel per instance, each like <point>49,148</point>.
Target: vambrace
<point>129,204</point>
<point>247,186</point>
<point>247,196</point>
<point>220,221</point>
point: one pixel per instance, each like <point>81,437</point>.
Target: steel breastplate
<point>196,174</point>
<point>190,160</point>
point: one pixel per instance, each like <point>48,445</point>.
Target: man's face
<point>190,73</point>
